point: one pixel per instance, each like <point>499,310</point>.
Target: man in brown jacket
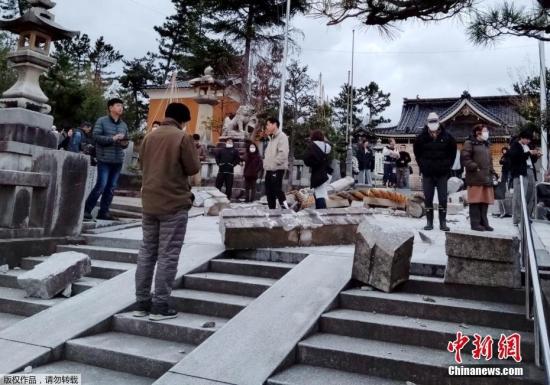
<point>168,157</point>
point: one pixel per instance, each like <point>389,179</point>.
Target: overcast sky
<point>433,60</point>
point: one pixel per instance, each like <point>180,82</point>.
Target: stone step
<point>208,303</point>
<point>402,362</point>
<point>228,283</point>
<point>470,312</point>
<point>314,375</point>
<point>435,286</point>
<point>116,226</point>
<point>412,331</point>
<point>186,328</point>
<point>15,301</point>
<point>100,269</point>
<point>264,269</point>
<point>8,319</point>
<point>9,278</point>
<point>120,243</point>
<point>127,207</point>
<point>117,213</point>
<point>93,374</point>
<point>111,254</point>
<point>86,283</point>
<point>128,353</point>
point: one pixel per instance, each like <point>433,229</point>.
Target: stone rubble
<point>382,259</point>
<point>52,276</point>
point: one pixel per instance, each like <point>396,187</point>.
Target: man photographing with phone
<point>111,138</point>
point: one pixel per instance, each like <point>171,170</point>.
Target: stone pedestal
<point>482,259</point>
<point>42,190</point>
<point>262,228</point>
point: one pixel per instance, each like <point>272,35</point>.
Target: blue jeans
<point>107,179</point>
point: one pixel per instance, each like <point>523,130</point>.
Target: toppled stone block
<point>472,245</point>
<point>52,276</point>
<point>335,201</point>
<point>263,228</point>
<point>458,198</point>
<point>483,260</point>
<point>382,258</point>
<point>203,193</point>
<point>454,184</point>
<point>454,209</point>
<point>341,184</point>
<point>214,206</point>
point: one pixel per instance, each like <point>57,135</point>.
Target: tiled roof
<point>500,109</point>
<point>179,84</point>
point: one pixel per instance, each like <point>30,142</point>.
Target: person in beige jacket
<point>275,164</point>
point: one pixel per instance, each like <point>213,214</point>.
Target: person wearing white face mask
<point>226,159</point>
<point>435,151</point>
<point>480,174</point>
<point>253,169</point>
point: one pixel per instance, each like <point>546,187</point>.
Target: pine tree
<point>246,22</point>
<point>138,73</point>
<point>102,56</point>
<point>78,49</point>
<point>7,75</point>
<point>376,102</point>
<point>10,9</point>
<point>178,34</point>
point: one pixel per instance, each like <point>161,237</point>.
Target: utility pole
<point>284,75</point>
<point>543,109</point>
<point>349,153</point>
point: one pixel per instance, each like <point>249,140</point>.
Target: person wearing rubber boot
<point>477,160</point>
<point>435,151</point>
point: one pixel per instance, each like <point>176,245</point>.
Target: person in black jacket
<point>253,169</point>
<point>365,160</point>
<point>522,163</point>
<point>435,151</point>
<point>317,157</point>
<point>402,167</point>
<point>505,163</point>
<point>226,159</point>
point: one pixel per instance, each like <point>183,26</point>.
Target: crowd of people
<point>170,161</point>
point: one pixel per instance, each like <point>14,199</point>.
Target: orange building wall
<point>226,105</point>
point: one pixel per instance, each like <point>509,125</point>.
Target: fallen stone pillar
<point>341,184</point>
<point>262,228</point>
<point>382,258</point>
<point>52,276</point>
<point>482,259</point>
<point>212,199</point>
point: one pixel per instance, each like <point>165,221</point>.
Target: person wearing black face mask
<point>226,159</point>
<point>435,151</point>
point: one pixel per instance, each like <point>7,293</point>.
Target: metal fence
<point>534,306</point>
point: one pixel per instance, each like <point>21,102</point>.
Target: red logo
<point>508,347</point>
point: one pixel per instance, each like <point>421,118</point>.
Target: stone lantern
<point>41,189</point>
<point>37,30</point>
<point>207,90</point>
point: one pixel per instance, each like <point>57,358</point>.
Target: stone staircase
<point>106,263</point>
<point>136,350</point>
<point>381,338</point>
